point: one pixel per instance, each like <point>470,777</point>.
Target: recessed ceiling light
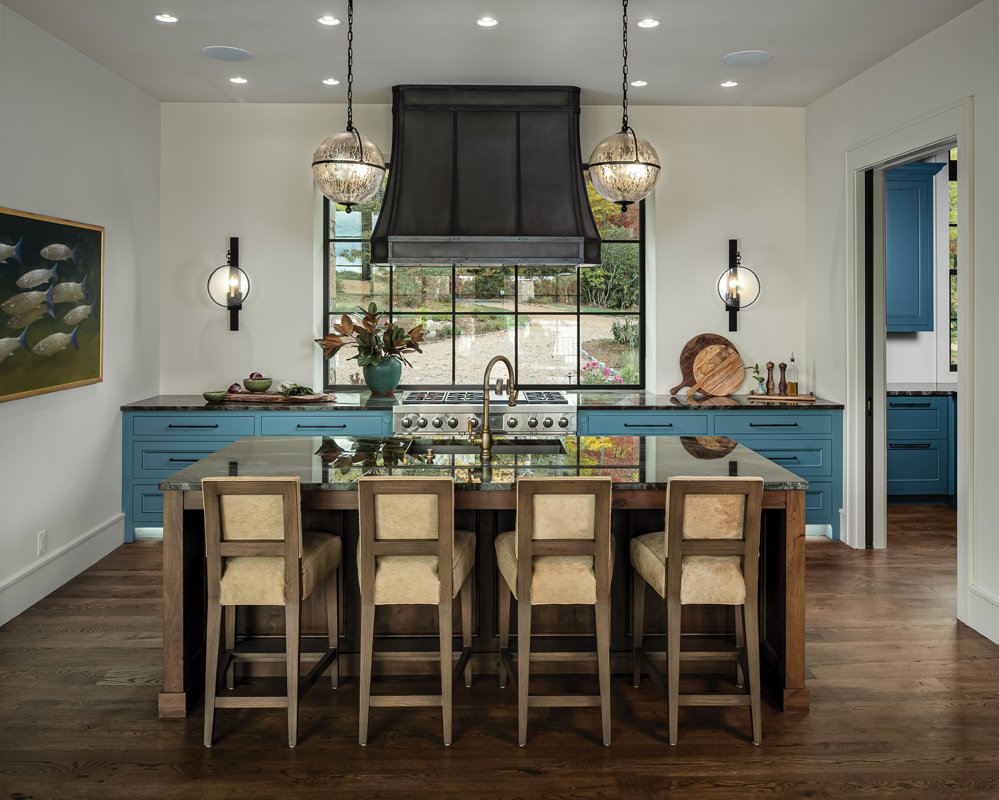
<point>729,84</point>
<point>165,17</point>
<point>487,22</point>
<point>331,81</point>
<point>648,22</point>
<point>237,79</point>
<point>223,52</point>
<point>747,58</point>
<point>329,19</point>
<point>639,83</point>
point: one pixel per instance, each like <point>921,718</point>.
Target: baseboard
<point>18,593</point>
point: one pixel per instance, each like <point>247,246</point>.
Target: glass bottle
<point>792,378</point>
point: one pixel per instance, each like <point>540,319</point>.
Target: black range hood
<point>485,175</point>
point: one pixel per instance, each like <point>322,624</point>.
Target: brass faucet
<point>485,438</point>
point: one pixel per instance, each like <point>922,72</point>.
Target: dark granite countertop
<point>596,400</point>
<point>921,389</point>
<point>335,463</point>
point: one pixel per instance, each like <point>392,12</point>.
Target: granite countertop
<point>595,400</point>
<point>921,389</point>
<point>335,463</point>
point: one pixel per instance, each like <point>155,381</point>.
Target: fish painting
<point>20,304</point>
<point>29,280</point>
<point>25,319</point>
<point>70,292</point>
<point>10,251</point>
<point>58,252</point>
<point>77,314</point>
<point>11,345</point>
<point>55,343</point>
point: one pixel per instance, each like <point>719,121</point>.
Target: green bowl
<point>257,385</point>
<point>214,397</point>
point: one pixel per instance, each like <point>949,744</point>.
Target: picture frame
<point>51,304</point>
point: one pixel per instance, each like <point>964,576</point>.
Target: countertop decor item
<point>624,167</point>
<point>718,370</point>
<point>348,168</point>
<point>738,287</point>
<point>257,385</point>
<point>228,285</point>
<point>215,397</point>
<point>778,398</point>
<point>381,347</point>
<point>276,397</point>
<point>689,353</point>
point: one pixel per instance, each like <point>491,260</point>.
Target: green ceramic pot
<point>383,377</point>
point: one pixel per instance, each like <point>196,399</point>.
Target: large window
<point>560,326</point>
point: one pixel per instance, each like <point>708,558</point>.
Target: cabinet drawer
<point>281,424</point>
<point>147,503</point>
<point>818,502</point>
<point>917,467</point>
<point>806,458</point>
<point>614,423</point>
<point>771,423</point>
<point>223,425</point>
<point>920,417</point>
<point>162,459</point>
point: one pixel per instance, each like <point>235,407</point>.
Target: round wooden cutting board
<point>689,353</point>
<point>718,370</point>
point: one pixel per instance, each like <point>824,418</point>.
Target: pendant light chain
<point>350,65</point>
<point>624,71</point>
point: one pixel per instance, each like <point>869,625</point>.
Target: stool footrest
<point>714,699</point>
<point>563,700</point>
<point>279,701</point>
<point>397,700</point>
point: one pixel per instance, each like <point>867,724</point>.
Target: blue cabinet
<point>909,247</point>
<point>921,445</point>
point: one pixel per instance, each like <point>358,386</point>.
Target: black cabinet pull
<point>647,425</point>
<point>909,446</point>
<point>773,424</point>
<point>893,404</point>
<point>321,427</point>
<point>782,458</point>
<point>184,460</point>
<point>171,425</point>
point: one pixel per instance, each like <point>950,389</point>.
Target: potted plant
<point>380,346</point>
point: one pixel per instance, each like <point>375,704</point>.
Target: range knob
<point>548,422</point>
<point>532,422</point>
<point>473,420</point>
<point>421,422</point>
<point>563,422</point>
<point>438,422</point>
<point>511,422</point>
<point>452,422</point>
<point>407,421</point>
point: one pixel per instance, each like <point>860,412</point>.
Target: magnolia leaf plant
<point>374,339</point>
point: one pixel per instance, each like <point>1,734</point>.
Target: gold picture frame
<point>51,304</point>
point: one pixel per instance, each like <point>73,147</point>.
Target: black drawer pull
<point>782,458</point>
<point>321,427</point>
<point>171,425</point>
<point>926,404</point>
<point>909,446</point>
<point>184,460</point>
<point>647,425</point>
<point>773,424</point>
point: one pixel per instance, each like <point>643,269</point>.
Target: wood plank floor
<point>905,704</point>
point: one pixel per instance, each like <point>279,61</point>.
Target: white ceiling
<point>817,45</point>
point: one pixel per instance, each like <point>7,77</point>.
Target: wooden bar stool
<point>560,554</point>
<point>712,540</point>
<point>406,533</point>
<point>257,555</point>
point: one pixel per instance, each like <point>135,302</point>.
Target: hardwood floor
<point>904,705</point>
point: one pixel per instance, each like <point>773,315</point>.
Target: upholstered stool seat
<point>414,580</point>
<point>556,580</point>
<point>259,581</point>
<point>704,579</point>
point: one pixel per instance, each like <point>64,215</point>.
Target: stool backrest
<point>563,517</point>
<point>253,517</point>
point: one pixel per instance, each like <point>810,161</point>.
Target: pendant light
<point>348,168</point>
<point>624,167</point>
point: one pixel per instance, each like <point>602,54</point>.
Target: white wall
<point>244,170</point>
<point>80,143</point>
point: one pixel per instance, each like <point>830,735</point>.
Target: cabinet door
<point>909,247</point>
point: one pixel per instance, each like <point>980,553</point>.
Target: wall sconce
<point>229,286</point>
<point>738,287</point>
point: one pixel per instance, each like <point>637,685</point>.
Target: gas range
<point>538,412</point>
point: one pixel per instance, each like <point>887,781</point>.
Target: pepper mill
<point>770,377</point>
<point>782,386</point>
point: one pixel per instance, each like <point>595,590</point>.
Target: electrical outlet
<point>43,542</point>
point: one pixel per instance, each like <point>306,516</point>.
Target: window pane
<point>344,372</point>
<point>353,281</point>
<point>547,289</point>
<point>610,349</point>
<point>547,349</point>
<point>361,220</point>
<point>433,365</point>
<point>484,289</point>
<point>612,223</point>
<point>614,284</point>
<point>421,288</point>
<point>953,247</point>
<point>479,339</point>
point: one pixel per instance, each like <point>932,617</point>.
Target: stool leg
<point>523,665</point>
<point>673,664</point>
<point>753,660</point>
<point>603,665</point>
<point>213,636</point>
<point>333,622</point>
<point>504,627</point>
<point>740,643</point>
<point>444,613</point>
<point>367,652</point>
<point>638,626</point>
<point>292,627</point>
<point>466,624</point>
<point>230,644</point>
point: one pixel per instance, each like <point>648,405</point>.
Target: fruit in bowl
<point>257,383</point>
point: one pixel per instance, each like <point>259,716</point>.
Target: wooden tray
<point>719,371</point>
<point>275,397</point>
<point>781,398</point>
<point>689,353</point>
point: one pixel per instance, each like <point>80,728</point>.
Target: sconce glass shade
<point>738,287</point>
<point>624,168</point>
<point>228,286</point>
<point>348,168</point>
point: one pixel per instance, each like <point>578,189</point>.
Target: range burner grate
<point>465,397</point>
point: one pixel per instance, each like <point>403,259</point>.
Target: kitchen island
<point>329,467</point>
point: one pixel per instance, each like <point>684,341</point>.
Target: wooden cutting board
<point>274,397</point>
<point>718,370</point>
<point>689,353</point>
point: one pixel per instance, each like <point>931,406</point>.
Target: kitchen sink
<point>500,446</point>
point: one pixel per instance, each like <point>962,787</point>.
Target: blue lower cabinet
<point>647,423</point>
<point>921,436</point>
<point>146,507</point>
<point>338,424</point>
<point>807,458</point>
<point>819,503</point>
<point>916,467</point>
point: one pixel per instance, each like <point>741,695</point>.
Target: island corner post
<point>782,584</point>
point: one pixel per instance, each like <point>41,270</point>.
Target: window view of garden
<point>561,326</point>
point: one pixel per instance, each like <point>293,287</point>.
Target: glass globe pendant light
<point>348,168</point>
<point>624,167</point>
